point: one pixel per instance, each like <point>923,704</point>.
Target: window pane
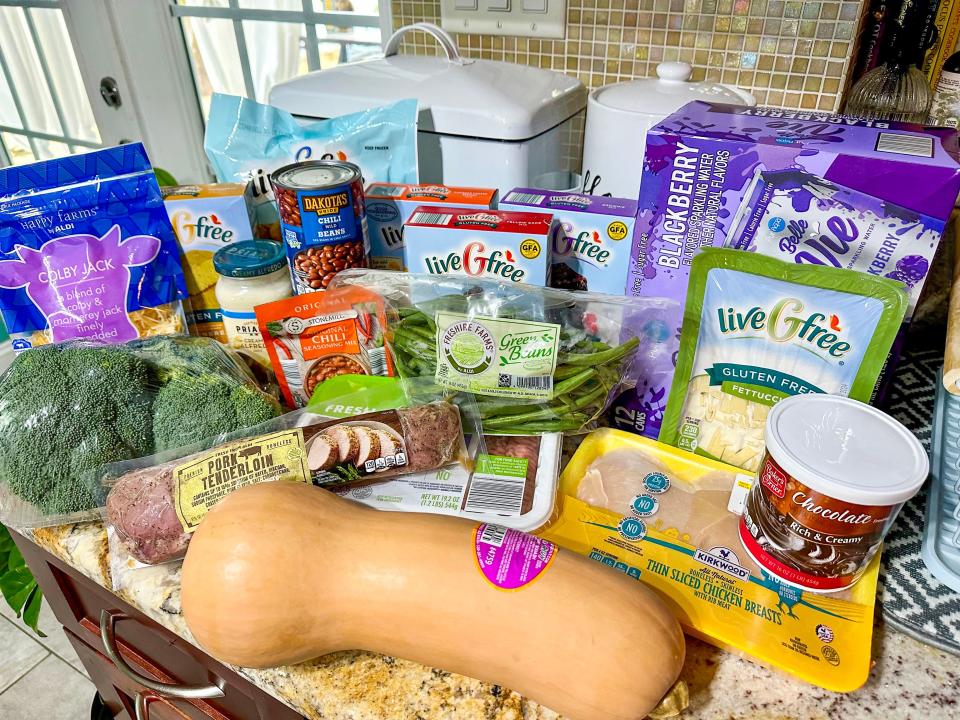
<point>205,3</point>
<point>272,52</point>
<point>272,4</point>
<point>65,74</point>
<point>216,62</point>
<point>28,81</point>
<point>276,53</point>
<point>18,148</point>
<point>8,111</point>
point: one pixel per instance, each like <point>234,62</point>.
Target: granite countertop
<point>909,679</point>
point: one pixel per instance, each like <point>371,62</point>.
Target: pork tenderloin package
<point>807,187</point>
<point>154,504</point>
<point>669,519</point>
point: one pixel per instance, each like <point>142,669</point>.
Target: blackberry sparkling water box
<point>868,195</point>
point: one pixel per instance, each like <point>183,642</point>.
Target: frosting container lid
<point>846,449</point>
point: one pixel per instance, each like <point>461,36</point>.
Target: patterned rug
<point>913,601</point>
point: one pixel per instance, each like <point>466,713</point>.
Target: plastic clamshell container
<point>693,559</point>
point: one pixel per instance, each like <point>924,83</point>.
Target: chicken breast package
<point>154,505</point>
<point>757,330</point>
<point>669,518</point>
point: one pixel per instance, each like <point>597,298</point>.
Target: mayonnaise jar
<point>252,272</point>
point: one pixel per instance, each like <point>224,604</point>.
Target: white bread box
<point>482,123</point>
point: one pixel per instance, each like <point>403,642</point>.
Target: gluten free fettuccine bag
<point>756,330</point>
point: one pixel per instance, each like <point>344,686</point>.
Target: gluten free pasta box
<point>592,249</point>
<point>389,204</point>
<point>206,218</point>
<point>495,244</point>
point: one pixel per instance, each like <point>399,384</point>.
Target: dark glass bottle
<point>897,89</point>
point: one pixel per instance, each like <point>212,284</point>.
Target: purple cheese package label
<point>792,215</point>
<point>794,183</point>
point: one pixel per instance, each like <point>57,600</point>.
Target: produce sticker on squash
<point>502,358</point>
<point>209,477</point>
<point>509,559</point>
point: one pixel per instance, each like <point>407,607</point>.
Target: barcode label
<point>378,361</point>
<point>534,382</point>
<point>525,198</point>
<point>495,494</point>
<point>425,218</point>
<point>917,145</point>
<point>493,535</point>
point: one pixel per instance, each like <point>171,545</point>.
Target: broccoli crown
<point>67,410</point>
<point>172,356</point>
<point>64,412</point>
<point>227,406</point>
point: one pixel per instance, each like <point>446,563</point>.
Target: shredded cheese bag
<point>756,330</point>
<point>87,251</point>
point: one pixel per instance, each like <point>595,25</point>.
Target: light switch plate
<point>524,18</point>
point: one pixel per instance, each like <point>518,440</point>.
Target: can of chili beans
<point>322,220</point>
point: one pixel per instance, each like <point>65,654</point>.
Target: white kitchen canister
<point>619,116</point>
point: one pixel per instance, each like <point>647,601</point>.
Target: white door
<point>78,74</point>
<point>44,108</point>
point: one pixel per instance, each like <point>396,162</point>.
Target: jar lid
<point>249,258</point>
<point>846,449</point>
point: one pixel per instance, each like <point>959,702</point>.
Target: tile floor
<point>40,678</point>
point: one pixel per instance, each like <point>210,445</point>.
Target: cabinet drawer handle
<point>141,706</point>
<point>109,618</point>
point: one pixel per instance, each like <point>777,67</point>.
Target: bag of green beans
<point>537,359</point>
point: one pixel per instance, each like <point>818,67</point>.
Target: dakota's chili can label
<point>322,220</point>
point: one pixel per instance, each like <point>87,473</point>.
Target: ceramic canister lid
<point>669,91</point>
<point>846,449</point>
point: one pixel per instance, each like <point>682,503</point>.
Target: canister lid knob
<point>674,71</point>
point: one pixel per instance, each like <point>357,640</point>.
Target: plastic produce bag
<point>539,359</point>
<point>246,141</point>
<point>154,504</point>
<point>87,251</point>
<point>67,409</point>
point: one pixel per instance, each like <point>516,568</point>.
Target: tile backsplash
<point>788,53</point>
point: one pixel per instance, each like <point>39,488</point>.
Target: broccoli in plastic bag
<point>68,409</point>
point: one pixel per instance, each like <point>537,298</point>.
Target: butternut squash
<point>282,572</point>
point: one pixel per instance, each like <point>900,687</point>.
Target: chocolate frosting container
<point>834,475</point>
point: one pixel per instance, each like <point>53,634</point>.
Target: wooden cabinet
<point>133,659</point>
